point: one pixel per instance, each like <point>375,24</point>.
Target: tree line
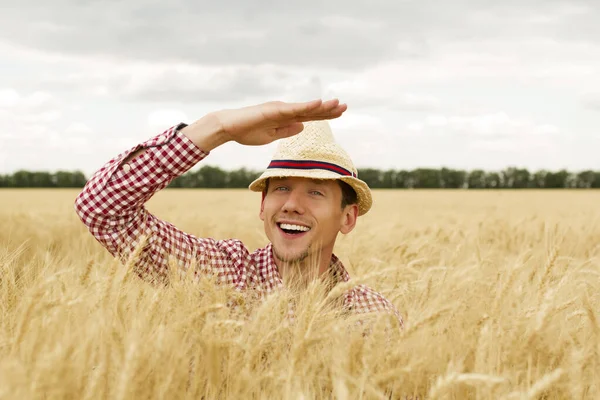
<point>420,178</point>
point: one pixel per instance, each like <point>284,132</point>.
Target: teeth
<point>294,227</point>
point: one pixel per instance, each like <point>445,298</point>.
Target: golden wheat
<point>499,291</point>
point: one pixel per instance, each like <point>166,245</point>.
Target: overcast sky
<point>464,84</point>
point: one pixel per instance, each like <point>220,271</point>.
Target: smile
<point>292,231</point>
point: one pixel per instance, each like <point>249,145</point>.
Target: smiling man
<point>302,219</point>
<point>310,194</point>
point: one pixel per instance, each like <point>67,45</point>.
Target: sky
<point>458,84</point>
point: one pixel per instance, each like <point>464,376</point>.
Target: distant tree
<point>555,180</point>
<point>515,178</point>
<point>177,182</point>
<point>79,179</point>
<point>404,179</point>
<point>585,179</point>
<point>388,179</point>
<point>493,180</point>
<point>189,180</point>
<point>213,177</point>
<point>195,180</point>
<point>67,179</point>
<point>9,180</point>
<point>42,179</point>
<point>596,181</point>
<point>452,178</point>
<point>539,179</point>
<point>476,179</point>
<point>507,178</point>
<point>240,178</point>
<point>62,179</point>
<point>571,181</point>
<point>371,176</point>
<point>522,179</point>
<point>427,178</point>
<point>22,178</point>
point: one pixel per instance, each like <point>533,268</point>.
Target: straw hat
<point>314,154</point>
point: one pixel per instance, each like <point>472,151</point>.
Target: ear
<point>261,214</point>
<point>349,217</point>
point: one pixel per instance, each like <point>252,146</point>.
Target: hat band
<point>309,164</point>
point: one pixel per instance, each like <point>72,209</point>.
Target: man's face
<point>303,216</point>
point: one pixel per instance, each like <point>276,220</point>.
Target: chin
<point>286,255</point>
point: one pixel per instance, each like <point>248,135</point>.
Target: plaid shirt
<point>111,205</point>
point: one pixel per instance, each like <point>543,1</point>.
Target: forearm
<point>111,205</point>
<point>112,200</point>
<point>206,134</point>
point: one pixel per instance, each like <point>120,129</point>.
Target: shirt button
<point>126,167</point>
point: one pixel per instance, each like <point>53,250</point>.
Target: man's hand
<point>264,123</point>
<point>260,124</point>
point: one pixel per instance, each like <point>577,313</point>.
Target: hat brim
<point>365,200</point>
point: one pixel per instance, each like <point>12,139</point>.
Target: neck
<point>303,272</point>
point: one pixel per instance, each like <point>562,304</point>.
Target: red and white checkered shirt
<point>112,202</point>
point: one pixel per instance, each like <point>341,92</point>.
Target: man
<point>310,193</point>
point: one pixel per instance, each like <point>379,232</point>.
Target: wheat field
<point>499,291</point>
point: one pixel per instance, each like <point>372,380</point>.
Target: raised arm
<point>111,204</point>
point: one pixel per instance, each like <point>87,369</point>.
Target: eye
<point>279,188</point>
<point>316,193</point>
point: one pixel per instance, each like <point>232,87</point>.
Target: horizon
<point>258,170</point>
<point>213,177</point>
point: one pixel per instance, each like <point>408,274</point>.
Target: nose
<point>293,203</point>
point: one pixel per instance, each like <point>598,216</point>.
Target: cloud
<point>35,131</point>
<point>526,61</point>
<point>78,128</point>
<point>340,34</point>
<point>205,35</point>
<point>11,99</point>
<point>483,127</point>
<point>390,82</point>
<point>361,94</point>
<point>524,145</point>
<point>160,120</point>
<point>224,84</point>
<point>185,83</point>
<point>361,124</point>
<point>591,100</point>
<point>34,109</point>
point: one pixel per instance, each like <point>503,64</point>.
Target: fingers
<point>290,110</point>
<point>328,109</point>
<point>331,104</point>
<point>289,130</point>
<point>315,107</point>
<point>331,114</point>
<point>325,107</point>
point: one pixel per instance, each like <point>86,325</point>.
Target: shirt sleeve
<point>111,206</point>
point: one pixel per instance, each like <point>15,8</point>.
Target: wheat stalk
<point>444,383</point>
